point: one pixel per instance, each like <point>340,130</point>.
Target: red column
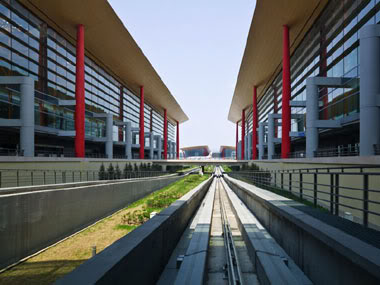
<point>285,143</point>
<point>79,94</point>
<point>177,146</point>
<point>165,135</point>
<point>142,132</point>
<point>254,123</point>
<point>237,140</point>
<point>242,134</point>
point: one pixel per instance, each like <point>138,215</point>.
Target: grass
<point>64,257</point>
<point>209,168</point>
<point>226,168</point>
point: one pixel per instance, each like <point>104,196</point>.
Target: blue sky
<point>196,47</point>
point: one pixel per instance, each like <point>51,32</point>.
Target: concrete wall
<point>353,181</point>
<point>140,256</point>
<point>34,220</point>
<point>325,254</point>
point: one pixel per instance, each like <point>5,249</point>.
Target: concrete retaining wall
<point>140,256</point>
<point>348,181</point>
<point>324,253</point>
<point>34,220</point>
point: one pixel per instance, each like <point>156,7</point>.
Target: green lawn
<point>62,258</point>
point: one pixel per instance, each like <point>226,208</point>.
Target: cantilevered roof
<point>226,147</point>
<point>262,57</point>
<point>195,147</point>
<point>110,45</point>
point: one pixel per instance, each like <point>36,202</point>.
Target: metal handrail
<point>32,177</point>
<point>306,184</point>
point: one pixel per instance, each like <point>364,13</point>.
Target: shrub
<point>102,172</point>
<point>111,172</point>
<point>117,172</point>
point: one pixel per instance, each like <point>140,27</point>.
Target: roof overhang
<point>110,45</point>
<point>195,147</point>
<point>263,52</point>
<point>226,147</point>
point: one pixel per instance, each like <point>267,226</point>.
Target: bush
<point>102,172</point>
<point>136,167</point>
<point>117,172</point>
<point>111,172</point>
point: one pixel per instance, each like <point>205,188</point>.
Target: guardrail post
<point>365,200</point>
<point>80,175</point>
<point>336,194</point>
<point>282,181</point>
<point>44,177</point>
<point>73,175</point>
<point>301,185</point>
<point>315,189</point>
<point>290,182</point>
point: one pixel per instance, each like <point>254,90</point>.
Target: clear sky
<point>196,46</point>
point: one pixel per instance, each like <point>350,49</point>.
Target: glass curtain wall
<point>330,48</point>
<point>29,47</point>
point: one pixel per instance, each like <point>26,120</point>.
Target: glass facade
<point>330,48</point>
<point>29,47</point>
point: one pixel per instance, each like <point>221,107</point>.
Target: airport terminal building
<point>192,151</point>
<point>308,82</point>
<point>74,83</point>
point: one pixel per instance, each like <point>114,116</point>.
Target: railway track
<point>225,244</point>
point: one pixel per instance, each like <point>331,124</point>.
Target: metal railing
<point>336,189</point>
<point>338,151</point>
<point>26,177</point>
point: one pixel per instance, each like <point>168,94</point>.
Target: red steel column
<point>237,140</point>
<point>79,94</point>
<point>285,143</point>
<point>142,131</point>
<point>165,135</point>
<point>254,123</point>
<point>177,146</point>
<point>242,134</point>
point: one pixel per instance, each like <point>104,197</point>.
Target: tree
<point>111,172</point>
<point>125,171</point>
<point>117,172</point>
<point>102,172</point>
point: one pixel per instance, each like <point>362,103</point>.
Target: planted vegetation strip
<point>64,257</point>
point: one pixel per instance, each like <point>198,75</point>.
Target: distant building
<point>227,151</point>
<point>193,151</point>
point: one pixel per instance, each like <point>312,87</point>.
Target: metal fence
<point>30,177</point>
<point>338,189</point>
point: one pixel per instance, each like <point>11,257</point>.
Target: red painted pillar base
<point>79,95</point>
